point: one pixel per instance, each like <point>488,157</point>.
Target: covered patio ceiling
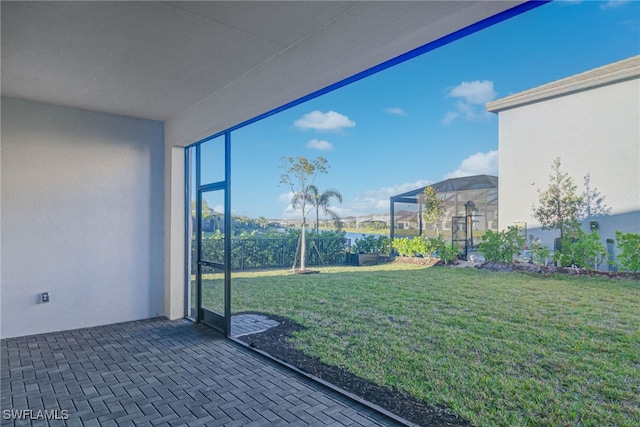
<point>202,67</point>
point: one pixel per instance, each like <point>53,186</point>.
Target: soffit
<point>159,60</point>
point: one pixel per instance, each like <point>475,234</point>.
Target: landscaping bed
<point>550,269</point>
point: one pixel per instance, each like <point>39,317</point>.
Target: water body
<point>350,235</point>
<point>357,236</point>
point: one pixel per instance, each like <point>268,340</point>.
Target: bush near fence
<point>276,252</point>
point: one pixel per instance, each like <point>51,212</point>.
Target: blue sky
<point>424,120</point>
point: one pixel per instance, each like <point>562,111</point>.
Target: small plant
<point>434,208</point>
<point>501,246</point>
<point>539,252</point>
<point>559,205</point>
<point>446,251</point>
<point>581,249</point>
<point>413,247</point>
<point>629,245</point>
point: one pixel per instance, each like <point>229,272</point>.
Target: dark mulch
<point>298,271</point>
<point>275,341</point>
<point>417,260</point>
<point>549,269</point>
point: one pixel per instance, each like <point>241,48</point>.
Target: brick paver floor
<point>159,373</point>
<point>249,323</point>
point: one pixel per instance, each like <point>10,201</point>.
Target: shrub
<point>629,245</point>
<point>539,252</point>
<point>446,251</point>
<point>273,250</point>
<point>372,245</point>
<point>581,249</point>
<point>501,246</point>
<point>413,247</point>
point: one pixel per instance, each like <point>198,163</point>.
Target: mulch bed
<point>298,271</point>
<point>417,261</point>
<point>549,269</point>
<point>524,268</point>
<point>275,341</point>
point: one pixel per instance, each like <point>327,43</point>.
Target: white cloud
<point>288,212</point>
<point>477,164</point>
<point>374,201</point>
<point>396,111</point>
<point>450,117</point>
<point>318,144</point>
<point>475,92</point>
<point>471,105</point>
<point>367,202</point>
<point>286,197</point>
<point>614,3</point>
<point>327,122</point>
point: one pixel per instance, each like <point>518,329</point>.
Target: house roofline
<point>627,69</point>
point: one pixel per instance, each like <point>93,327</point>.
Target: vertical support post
<point>392,220</point>
<point>227,233</point>
<point>198,239</point>
<point>419,217</point>
<point>188,232</point>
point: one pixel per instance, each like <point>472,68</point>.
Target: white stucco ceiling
<point>215,61</point>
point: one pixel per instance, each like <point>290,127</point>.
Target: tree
<point>299,174</point>
<point>593,205</point>
<point>560,204</point>
<point>322,201</point>
<point>434,208</point>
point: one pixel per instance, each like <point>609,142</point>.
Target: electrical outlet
<point>45,297</point>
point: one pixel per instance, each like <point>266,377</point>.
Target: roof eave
<point>545,92</point>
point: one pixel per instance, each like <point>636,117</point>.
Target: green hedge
<point>275,252</point>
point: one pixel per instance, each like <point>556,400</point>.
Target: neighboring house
<point>349,222</point>
<point>407,220</point>
<point>372,220</point>
<point>589,120</point>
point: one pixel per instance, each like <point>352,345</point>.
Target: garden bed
<point>550,269</point>
<point>417,260</point>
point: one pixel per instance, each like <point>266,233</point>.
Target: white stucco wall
<point>594,131</point>
<point>82,218</point>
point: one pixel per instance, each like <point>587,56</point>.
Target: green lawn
<point>495,348</point>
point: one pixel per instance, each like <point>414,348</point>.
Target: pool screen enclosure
<point>474,197</point>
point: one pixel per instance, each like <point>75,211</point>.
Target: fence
<point>250,253</point>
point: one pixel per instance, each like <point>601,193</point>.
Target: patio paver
<point>250,323</point>
<point>161,373</point>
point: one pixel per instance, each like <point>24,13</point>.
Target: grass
<point>495,348</point>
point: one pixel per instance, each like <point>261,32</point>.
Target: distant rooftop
<point>618,71</point>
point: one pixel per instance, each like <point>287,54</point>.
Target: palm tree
<point>322,200</point>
